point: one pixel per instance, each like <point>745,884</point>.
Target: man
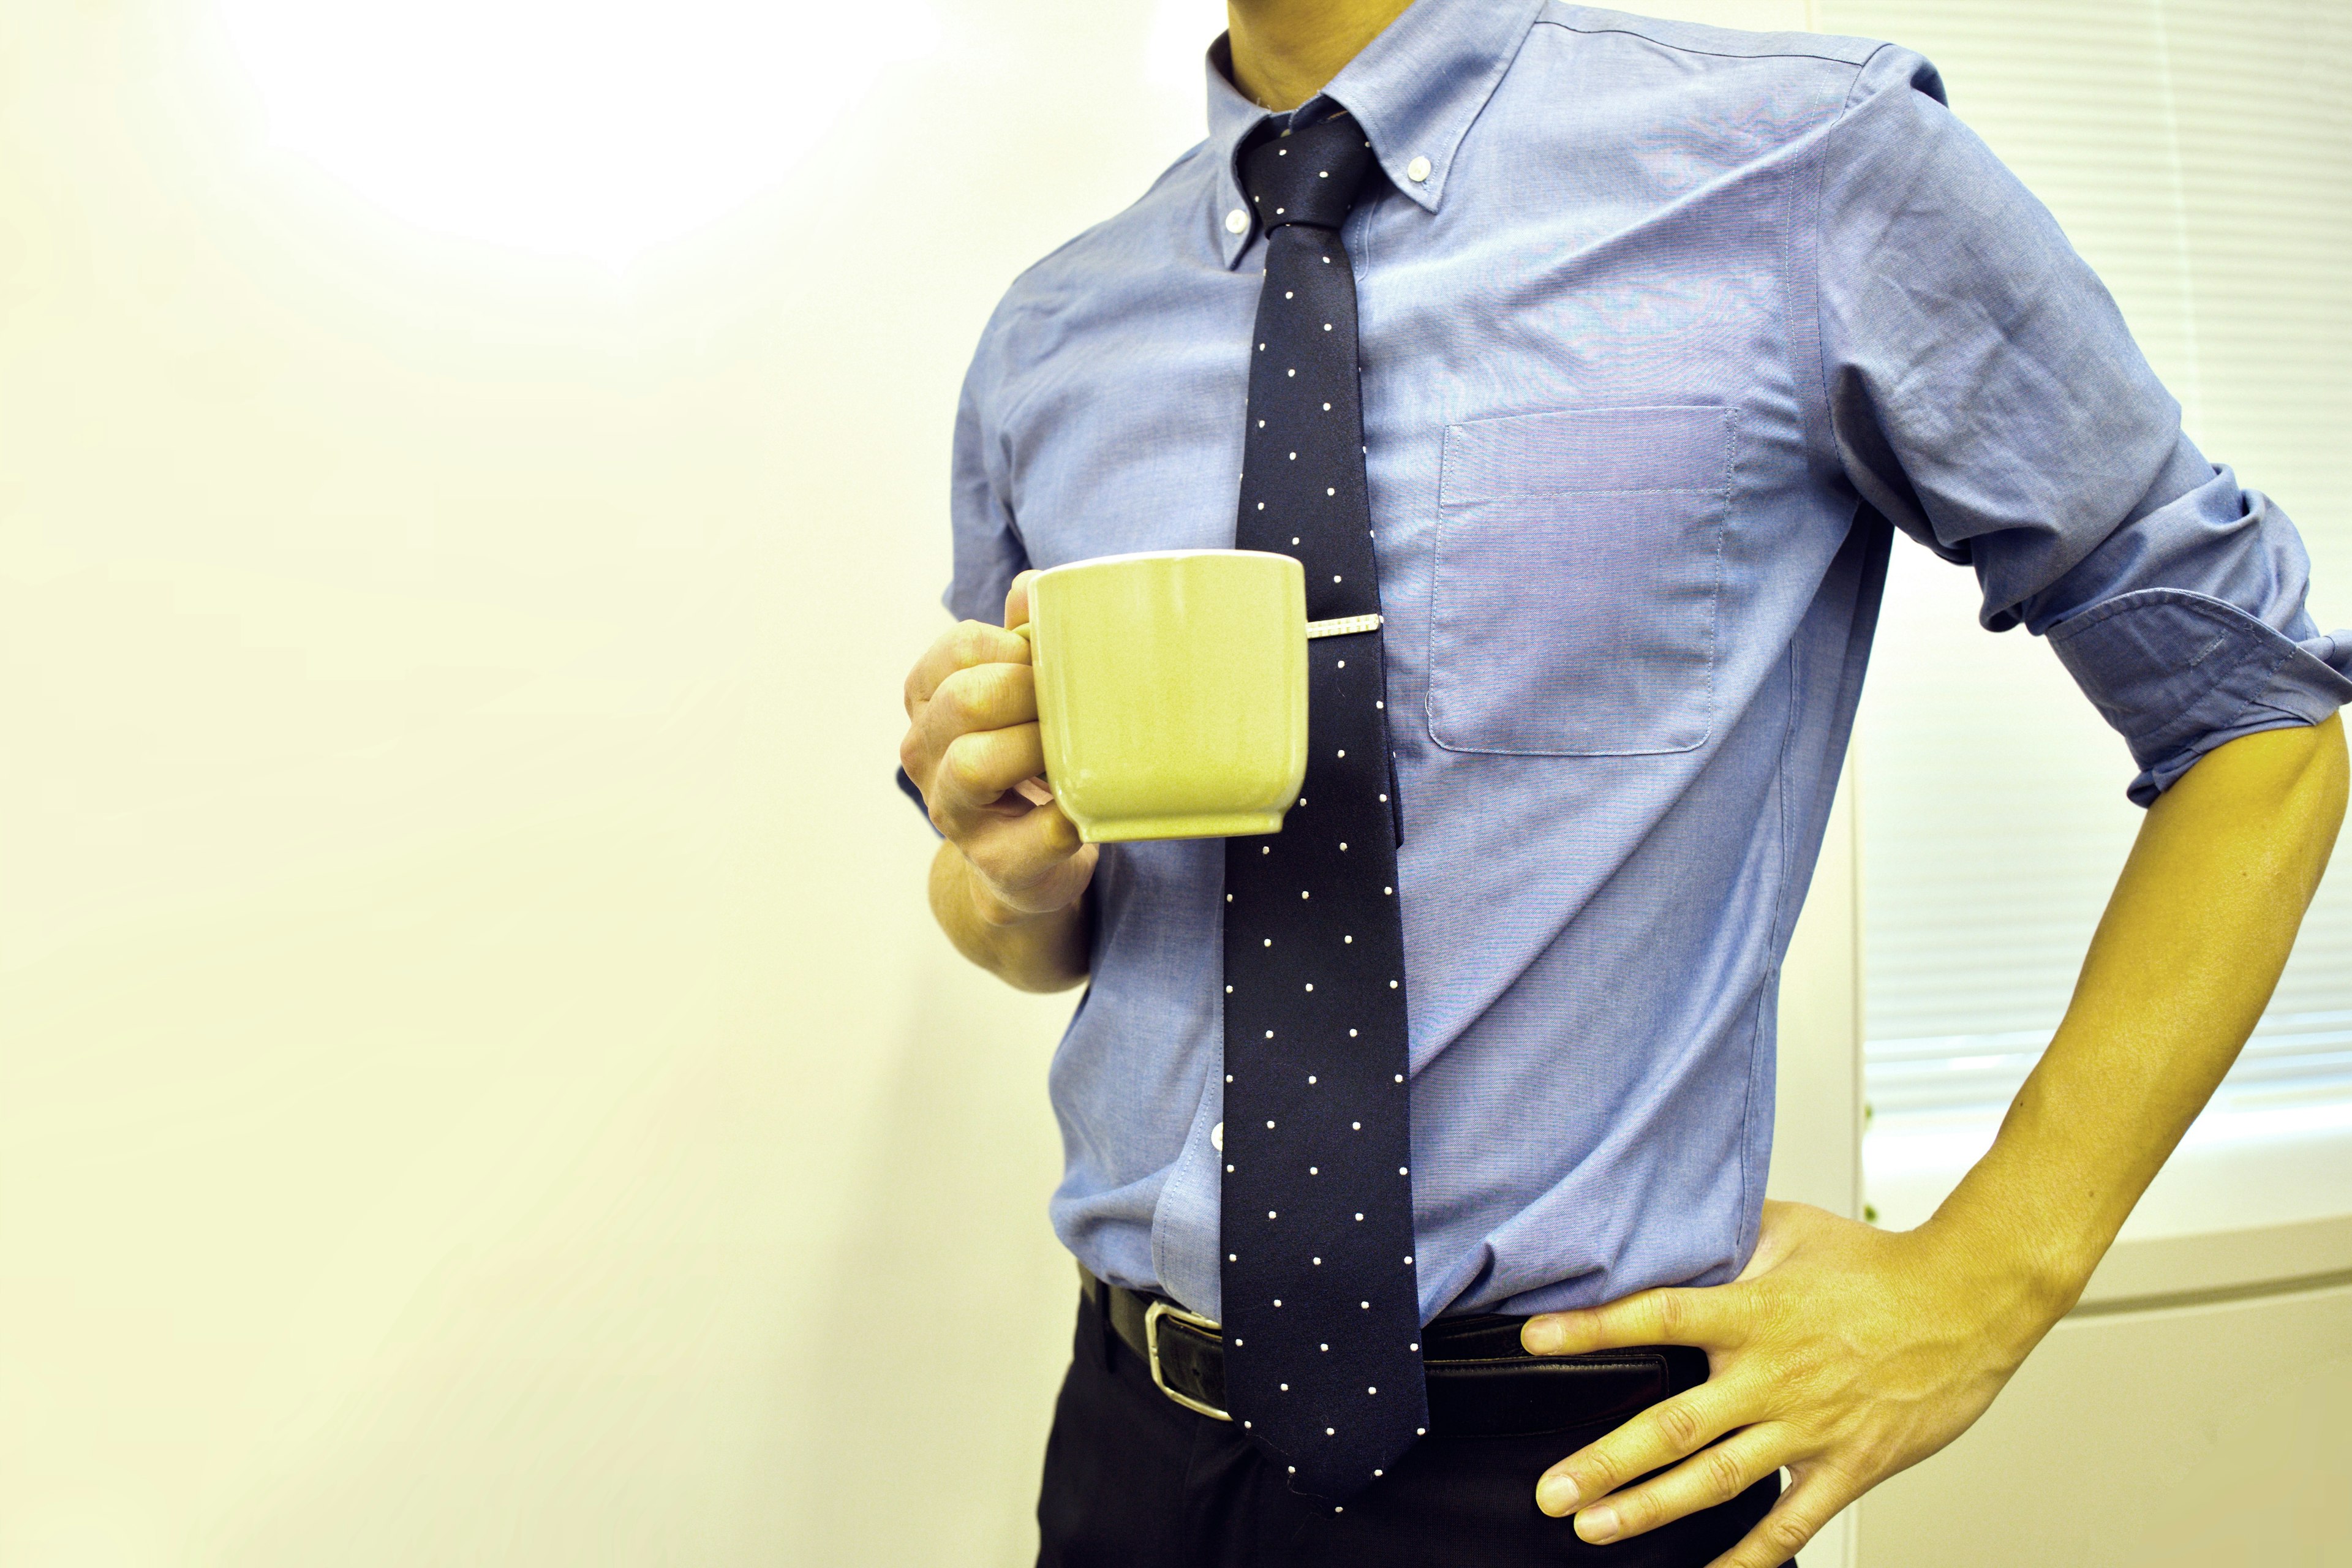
<point>1661,331</point>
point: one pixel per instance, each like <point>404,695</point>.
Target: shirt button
<point>1417,171</point>
<point>1238,221</point>
<point>1217,1137</point>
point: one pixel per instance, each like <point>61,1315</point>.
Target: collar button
<point>1236,222</point>
<point>1417,171</point>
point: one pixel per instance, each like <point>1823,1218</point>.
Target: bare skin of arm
<point>1846,1353</point>
<point>1009,884</point>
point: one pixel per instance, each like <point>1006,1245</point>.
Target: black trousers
<point>1135,1480</point>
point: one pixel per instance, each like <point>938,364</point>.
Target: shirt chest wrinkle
<point>1126,439</point>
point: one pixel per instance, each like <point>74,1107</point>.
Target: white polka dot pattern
<point>1316,1022</point>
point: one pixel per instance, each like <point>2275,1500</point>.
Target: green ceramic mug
<point>1171,692</point>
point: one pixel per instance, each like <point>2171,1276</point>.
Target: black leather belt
<point>1481,1383</point>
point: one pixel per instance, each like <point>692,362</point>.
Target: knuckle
<point>968,643</point>
<point>1670,1312</point>
<point>1847,1478</point>
<point>960,766</point>
<point>1800,1367</point>
<point>1786,1533</point>
<point>1724,1479</point>
<point>1679,1424</point>
<point>961,699</point>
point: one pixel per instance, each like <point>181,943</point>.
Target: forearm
<point>1843,1353</point>
<point>2182,964</point>
<point>1033,953</point>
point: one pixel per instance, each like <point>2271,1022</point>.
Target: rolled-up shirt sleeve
<point>1985,397</point>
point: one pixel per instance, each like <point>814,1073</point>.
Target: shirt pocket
<point>1577,582</point>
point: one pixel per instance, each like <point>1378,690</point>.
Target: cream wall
<point>480,1085</point>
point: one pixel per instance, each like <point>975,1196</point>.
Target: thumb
<point>1780,1233</point>
<point>1016,600</point>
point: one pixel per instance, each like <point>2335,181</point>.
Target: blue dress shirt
<point>1666,330</point>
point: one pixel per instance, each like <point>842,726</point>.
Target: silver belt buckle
<point>1151,1316</point>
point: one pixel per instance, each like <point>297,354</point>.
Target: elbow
<point>2315,776</point>
<point>2320,792</point>
<point>2328,773</point>
<point>2275,798</point>
<point>2300,778</point>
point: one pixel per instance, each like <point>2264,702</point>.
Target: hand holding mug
<point>972,742</point>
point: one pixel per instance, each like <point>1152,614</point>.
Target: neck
<point>1285,50</point>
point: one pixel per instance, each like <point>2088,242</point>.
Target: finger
<point>1033,862</point>
<point>1712,1318</point>
<point>1016,599</point>
<point>1714,1475</point>
<point>1795,1520</point>
<point>974,770</point>
<point>1670,1430</point>
<point>982,697</point>
<point>960,646</point>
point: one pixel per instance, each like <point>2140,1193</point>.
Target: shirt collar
<point>1414,89</point>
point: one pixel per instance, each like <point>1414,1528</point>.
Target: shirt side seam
<point>1776,940</point>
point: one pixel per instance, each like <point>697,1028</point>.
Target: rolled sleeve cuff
<point>2179,674</point>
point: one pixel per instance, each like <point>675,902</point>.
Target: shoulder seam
<point>1545,19</point>
<point>1166,175</point>
<point>1860,67</point>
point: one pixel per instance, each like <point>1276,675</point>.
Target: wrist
<point>2018,1260</point>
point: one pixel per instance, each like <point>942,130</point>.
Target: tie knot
<point>1309,176</point>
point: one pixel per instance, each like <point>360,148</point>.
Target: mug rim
<point>1161,556</point>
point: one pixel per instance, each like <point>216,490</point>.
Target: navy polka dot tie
<point>1322,1321</point>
